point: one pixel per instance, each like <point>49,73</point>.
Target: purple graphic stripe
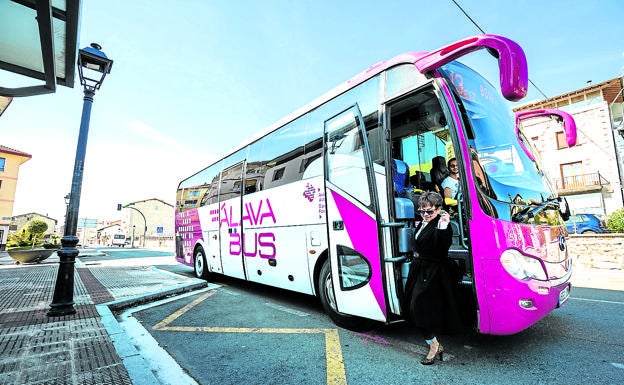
<point>362,230</point>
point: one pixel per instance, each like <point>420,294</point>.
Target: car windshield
<point>503,169</point>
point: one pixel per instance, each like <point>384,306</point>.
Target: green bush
<point>615,222</point>
<point>28,235</point>
<point>17,239</point>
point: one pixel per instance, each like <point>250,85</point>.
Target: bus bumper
<point>512,305</point>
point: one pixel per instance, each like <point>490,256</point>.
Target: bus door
<point>350,191</point>
<point>230,228</point>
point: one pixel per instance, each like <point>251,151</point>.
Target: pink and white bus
<point>312,204</point>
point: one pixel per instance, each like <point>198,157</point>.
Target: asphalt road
<point>242,333</point>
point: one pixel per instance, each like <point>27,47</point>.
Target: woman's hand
<point>445,219</point>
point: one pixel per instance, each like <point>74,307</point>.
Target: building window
<point>572,175</point>
<point>2,163</point>
<point>561,140</point>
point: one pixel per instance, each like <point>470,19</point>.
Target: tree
<point>37,229</point>
<point>615,222</point>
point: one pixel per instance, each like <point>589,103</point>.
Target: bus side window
<point>232,175</point>
<point>255,168</point>
<point>283,151</point>
<point>200,189</point>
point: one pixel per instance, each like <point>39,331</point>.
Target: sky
<point>192,80</point>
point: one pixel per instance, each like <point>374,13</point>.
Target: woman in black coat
<point>430,293</point>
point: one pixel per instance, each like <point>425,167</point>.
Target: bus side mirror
<point>565,214</point>
<point>569,125</point>
<point>514,77</point>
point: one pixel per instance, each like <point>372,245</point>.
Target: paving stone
<point>74,349</point>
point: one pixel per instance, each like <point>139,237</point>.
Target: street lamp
<point>93,65</point>
<point>66,207</point>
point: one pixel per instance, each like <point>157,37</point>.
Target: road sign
<point>88,223</point>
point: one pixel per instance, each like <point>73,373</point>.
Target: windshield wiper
<point>532,210</point>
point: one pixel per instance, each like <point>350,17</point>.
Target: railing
<point>594,180</point>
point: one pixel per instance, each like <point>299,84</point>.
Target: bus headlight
<point>522,267</point>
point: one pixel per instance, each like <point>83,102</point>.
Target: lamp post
<point>133,228</point>
<point>93,65</point>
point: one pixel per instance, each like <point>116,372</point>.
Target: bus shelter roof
<point>38,42</point>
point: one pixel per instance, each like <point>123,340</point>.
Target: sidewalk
<point>84,348</point>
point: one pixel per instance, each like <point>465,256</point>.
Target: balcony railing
<point>584,182</point>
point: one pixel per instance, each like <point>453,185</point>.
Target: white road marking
<point>598,300</point>
<point>286,309</point>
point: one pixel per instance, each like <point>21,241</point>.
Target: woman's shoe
<point>430,361</point>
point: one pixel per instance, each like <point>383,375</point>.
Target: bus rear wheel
<point>328,300</point>
<point>200,266</point>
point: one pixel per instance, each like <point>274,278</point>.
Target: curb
<point>124,303</point>
<point>139,370</point>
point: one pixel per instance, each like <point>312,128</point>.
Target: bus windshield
<point>504,170</point>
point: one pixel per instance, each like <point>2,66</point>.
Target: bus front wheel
<point>328,300</point>
<point>200,265</point>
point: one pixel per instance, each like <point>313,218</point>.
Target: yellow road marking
<point>333,352</point>
<point>174,316</point>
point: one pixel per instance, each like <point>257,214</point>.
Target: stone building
<point>590,174</point>
<point>19,221</point>
<point>149,222</point>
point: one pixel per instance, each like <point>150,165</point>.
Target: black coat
<point>430,292</point>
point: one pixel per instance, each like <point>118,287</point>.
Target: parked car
<point>586,223</point>
<point>119,240</point>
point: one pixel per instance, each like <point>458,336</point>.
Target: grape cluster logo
<point>309,192</point>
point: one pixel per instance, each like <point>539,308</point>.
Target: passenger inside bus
<point>450,184</point>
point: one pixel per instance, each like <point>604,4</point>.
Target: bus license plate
<point>564,295</point>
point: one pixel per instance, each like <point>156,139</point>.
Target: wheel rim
<point>329,293</point>
<point>199,263</point>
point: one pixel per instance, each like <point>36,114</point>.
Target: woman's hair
<point>430,198</point>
